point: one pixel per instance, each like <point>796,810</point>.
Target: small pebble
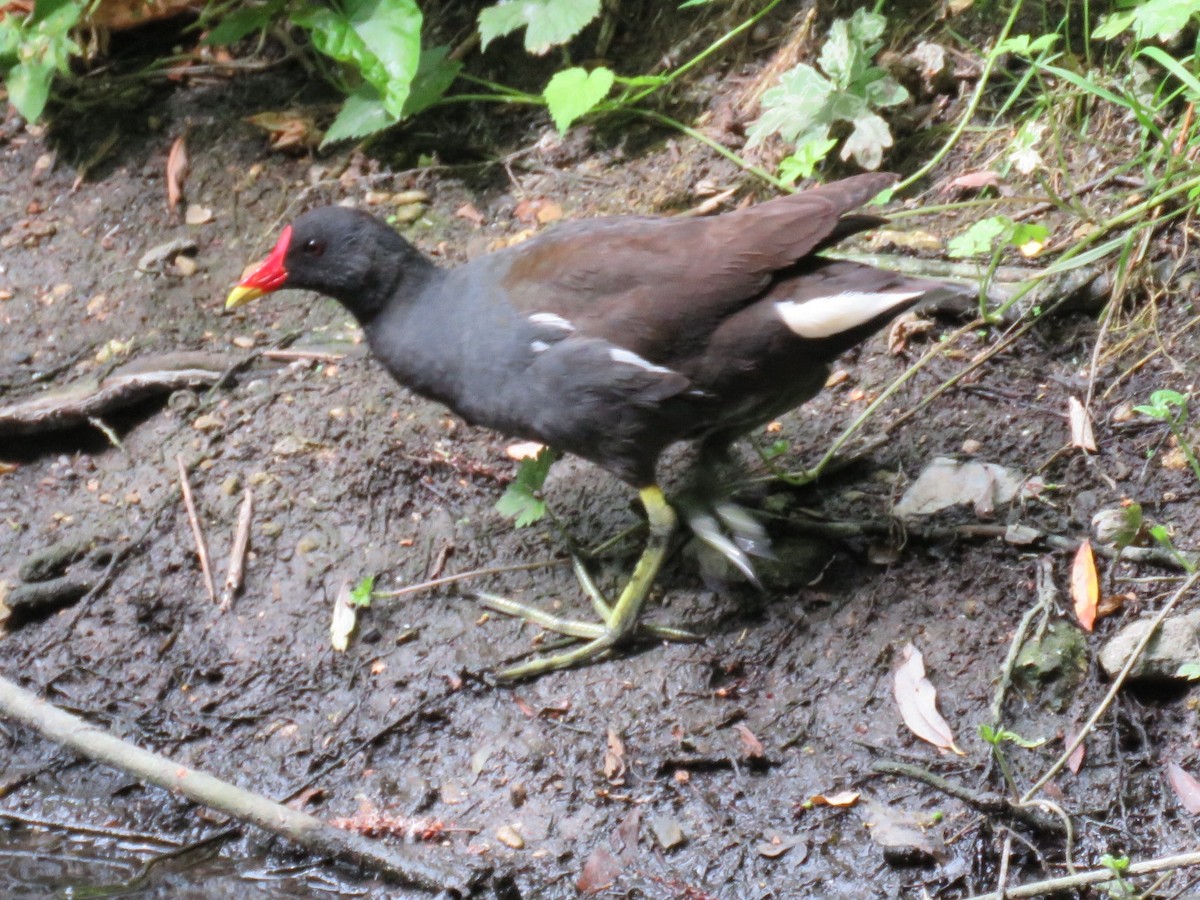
<point>510,837</point>
<point>668,832</point>
<point>230,485</point>
<point>271,528</point>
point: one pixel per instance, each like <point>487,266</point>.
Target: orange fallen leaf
<point>1085,586</point>
<point>177,169</point>
<point>841,798</point>
<point>288,130</point>
<point>917,698</point>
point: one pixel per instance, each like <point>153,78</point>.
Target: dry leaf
<point>342,623</point>
<point>1081,426</point>
<point>524,450</point>
<point>599,872</point>
<point>905,326</point>
<point>197,215</point>
<point>470,213</point>
<point>841,798</point>
<point>1085,586</point>
<point>177,169</point>
<point>7,468</point>
<point>972,181</point>
<point>287,130</point>
<point>614,759</point>
<point>752,747</point>
<point>1186,787</point>
<point>1075,760</point>
<point>537,211</point>
<point>917,699</point>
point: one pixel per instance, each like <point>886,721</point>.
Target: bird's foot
<point>729,529</point>
<point>598,638</point>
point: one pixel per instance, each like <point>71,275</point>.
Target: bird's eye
<point>314,247</point>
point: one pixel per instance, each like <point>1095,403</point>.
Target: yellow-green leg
<point>619,621</point>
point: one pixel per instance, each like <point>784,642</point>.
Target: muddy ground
<point>685,769</point>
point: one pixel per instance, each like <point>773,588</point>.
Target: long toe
<point>747,532</point>
<point>707,528</point>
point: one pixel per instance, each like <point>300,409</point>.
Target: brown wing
<point>660,286</point>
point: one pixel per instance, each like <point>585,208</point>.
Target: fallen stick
<point>237,556</point>
<point>308,831</point>
<point>1095,876</point>
<point>197,532</point>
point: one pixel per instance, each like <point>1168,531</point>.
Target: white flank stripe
<point>629,358</point>
<point>551,319</point>
<point>539,346</point>
<point>824,317</point>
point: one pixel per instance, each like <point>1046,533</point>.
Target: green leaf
<point>242,21</point>
<point>868,140</point>
<point>56,16</point>
<point>805,160</point>
<point>1112,26</point>
<point>361,595</point>
<point>792,107</point>
<point>1190,671</point>
<point>1024,45</point>
<point>981,238</point>
<point>381,39</point>
<point>28,86</point>
<point>520,501</point>
<point>837,59</point>
<point>1163,19</point>
<point>691,3</point>
<point>546,22</point>
<point>575,92</point>
<point>435,73</point>
<point>885,91</point>
<point>1028,233</point>
<point>361,115</point>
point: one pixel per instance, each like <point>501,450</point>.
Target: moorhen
<point>612,339</point>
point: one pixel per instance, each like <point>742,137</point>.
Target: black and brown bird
<point>613,339</point>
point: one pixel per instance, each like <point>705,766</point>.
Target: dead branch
<point>89,399</point>
<point>308,831</point>
<point>1095,876</point>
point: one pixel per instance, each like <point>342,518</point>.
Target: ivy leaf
<point>28,85</point>
<point>805,160</point>
<point>980,239</point>
<point>1163,19</point>
<point>546,22</point>
<point>868,140</point>
<point>575,92</point>
<point>361,594</point>
<point>792,107</point>
<point>381,39</point>
<point>520,501</point>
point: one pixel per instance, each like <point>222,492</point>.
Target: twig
<point>992,804</point>
<point>201,548</point>
<point>308,831</point>
<point>1095,876</point>
<point>237,555</point>
<point>291,355</point>
<point>1045,605</point>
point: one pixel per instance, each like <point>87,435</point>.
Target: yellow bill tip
<point>241,295</point>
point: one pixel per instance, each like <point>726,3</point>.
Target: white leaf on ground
<point>344,618</point>
<point>946,482</point>
<point>917,698</point>
<point>1080,419</point>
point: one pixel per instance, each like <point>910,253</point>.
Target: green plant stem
<point>716,146</point>
<point>969,112</point>
<point>706,52</point>
<point>1182,441</point>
